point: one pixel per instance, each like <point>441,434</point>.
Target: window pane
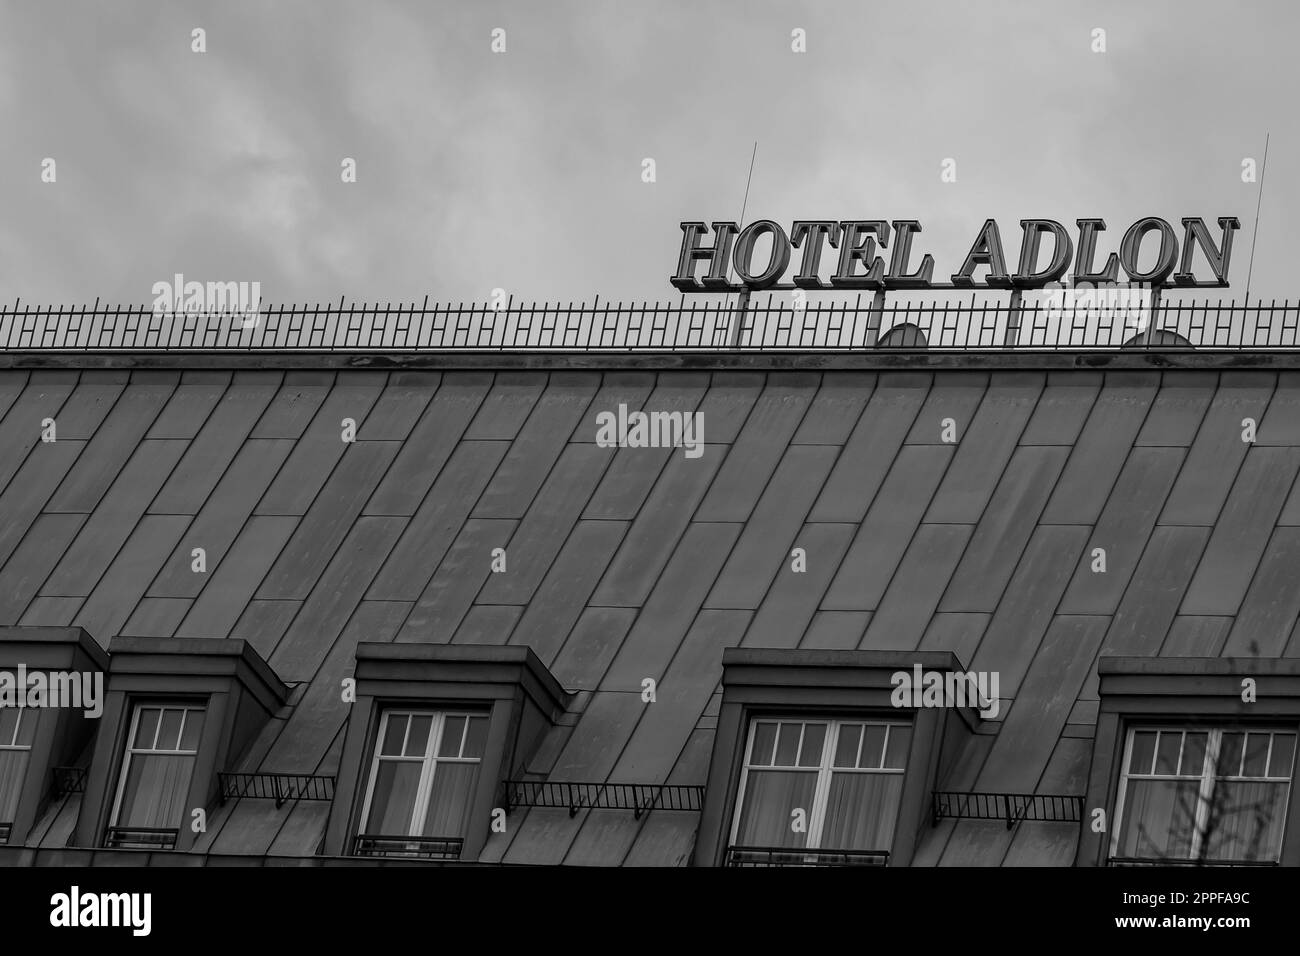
<point>452,732</point>
<point>394,734</point>
<point>449,800</point>
<point>26,728</point>
<point>157,786</point>
<point>900,736</point>
<point>169,729</point>
<point>1159,819</point>
<point>417,739</point>
<point>873,745</point>
<point>1279,765</point>
<point>146,728</point>
<point>814,741</point>
<point>760,754</point>
<point>191,730</point>
<point>860,811</point>
<point>1246,820</point>
<point>846,748</point>
<point>1230,755</point>
<point>1167,752</point>
<point>1256,755</point>
<point>770,798</point>
<point>13,766</point>
<point>476,737</point>
<point>787,745</point>
<point>1144,746</point>
<point>393,802</point>
<point>1194,754</point>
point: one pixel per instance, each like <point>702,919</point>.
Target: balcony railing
<point>770,324</point>
<point>1009,807</point>
<point>279,787</point>
<point>790,856</point>
<point>140,838</point>
<point>637,797</point>
<point>411,847</point>
<point>1153,861</point>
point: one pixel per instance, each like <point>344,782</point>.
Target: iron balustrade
<point>69,780</point>
<point>414,847</point>
<point>793,856</point>
<point>279,787</point>
<point>1010,807</point>
<point>140,838</point>
<point>1153,861</point>
<point>773,325</point>
<point>637,797</point>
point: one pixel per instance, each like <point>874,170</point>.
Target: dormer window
<point>17,730</point>
<point>422,783</point>
<point>154,784</point>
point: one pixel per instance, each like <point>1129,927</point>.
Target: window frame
<point>1209,780</point>
<point>825,769</point>
<point>6,826</point>
<point>429,762</point>
<point>129,750</point>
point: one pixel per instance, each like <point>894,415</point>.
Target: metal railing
<point>789,856</point>
<point>413,847</point>
<point>637,797</point>
<point>772,325</point>
<point>1152,861</point>
<point>5,830</point>
<point>69,780</point>
<point>1009,807</point>
<point>140,838</point>
<point>276,786</point>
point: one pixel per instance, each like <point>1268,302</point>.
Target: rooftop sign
<point>859,266</point>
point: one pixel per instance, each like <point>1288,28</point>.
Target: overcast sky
<point>523,170</point>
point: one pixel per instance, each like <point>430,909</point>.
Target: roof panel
<point>211,453</point>
<point>592,645</point>
<point>885,534</point>
<point>554,608</point>
<point>506,408</point>
<point>727,404</point>
<point>294,405</point>
<point>89,403</point>
<point>1099,454</point>
<point>909,602</point>
<point>872,447</point>
<point>757,449</point>
<point>765,545</point>
<point>188,408</point>
<point>488,624</point>
<point>434,526</point>
<point>1218,450</point>
<point>616,388</point>
<point>114,441</point>
<point>836,630</point>
<point>222,516</point>
<point>460,576</point>
<point>654,535</point>
<point>1178,409</point>
<point>22,501</point>
<point>1156,590</point>
<point>124,582</point>
<point>956,632</point>
<point>671,606</point>
<point>33,560</point>
<point>1004,529</point>
<point>1063,408</point>
<point>114,519</point>
<point>263,623</point>
<point>327,521</point>
<point>1272,604</point>
<point>788,608</point>
<point>156,617</point>
<point>953,396</point>
<point>539,443</point>
<point>399,406</point>
<point>1196,636</point>
<point>231,584</point>
<point>1281,423</point>
<point>1122,531</point>
<point>1242,530</point>
<point>835,409</point>
<point>540,536</point>
<point>984,448</point>
<point>21,427</point>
